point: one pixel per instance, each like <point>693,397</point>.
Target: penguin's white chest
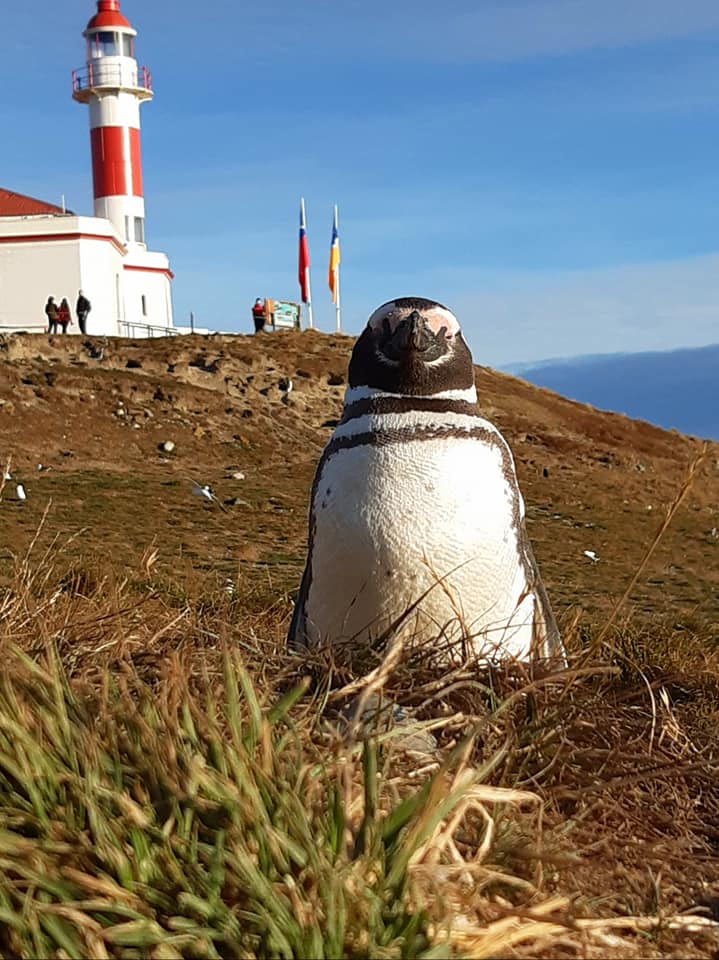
<point>433,522</point>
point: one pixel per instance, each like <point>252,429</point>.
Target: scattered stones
<point>167,446</point>
<point>93,351</point>
<point>201,362</point>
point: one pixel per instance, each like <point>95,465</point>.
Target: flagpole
<point>337,282</point>
<point>307,271</point>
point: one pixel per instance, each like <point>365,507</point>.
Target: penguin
<point>416,521</point>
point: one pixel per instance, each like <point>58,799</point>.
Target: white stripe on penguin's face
<point>353,394</point>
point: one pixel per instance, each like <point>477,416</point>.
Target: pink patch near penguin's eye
<point>439,319</point>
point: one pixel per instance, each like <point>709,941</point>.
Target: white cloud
<point>532,28</point>
<point>488,30</point>
<point>524,316</point>
<point>463,30</point>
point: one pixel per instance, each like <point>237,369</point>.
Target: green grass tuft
<point>133,827</point>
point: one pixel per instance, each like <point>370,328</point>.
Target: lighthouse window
<point>144,305</point>
<point>104,44</point>
<point>128,46</point>
<point>139,230</point>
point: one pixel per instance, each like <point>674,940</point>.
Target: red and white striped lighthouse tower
<point>114,87</point>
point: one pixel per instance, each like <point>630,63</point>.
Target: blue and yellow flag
<point>334,270</point>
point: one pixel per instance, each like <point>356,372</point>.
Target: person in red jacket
<point>63,315</point>
<point>258,314</point>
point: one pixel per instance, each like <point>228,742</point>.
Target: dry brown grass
<point>572,814</point>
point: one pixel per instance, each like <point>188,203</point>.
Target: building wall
<point>147,301</point>
<point>147,275</point>
<point>29,274</point>
<point>101,276</point>
<point>59,255</point>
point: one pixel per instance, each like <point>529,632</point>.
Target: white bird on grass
<point>592,555</point>
<point>200,490</point>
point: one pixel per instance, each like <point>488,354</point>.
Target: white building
<point>47,251</point>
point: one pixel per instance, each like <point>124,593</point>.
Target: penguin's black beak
<point>413,338</point>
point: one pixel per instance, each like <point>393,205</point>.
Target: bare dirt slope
<point>95,412</point>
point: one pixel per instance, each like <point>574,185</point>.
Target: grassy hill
<point>159,797</point>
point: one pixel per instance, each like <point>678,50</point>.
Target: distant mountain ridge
<point>673,389</point>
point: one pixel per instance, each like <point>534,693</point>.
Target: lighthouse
<point>114,86</point>
<point>46,249</point>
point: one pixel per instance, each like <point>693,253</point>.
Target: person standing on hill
<point>82,308</point>
<point>64,318</point>
<point>258,314</point>
<point>52,314</point>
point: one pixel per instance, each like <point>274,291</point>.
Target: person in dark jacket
<point>82,308</point>
<point>63,315</point>
<point>52,313</point>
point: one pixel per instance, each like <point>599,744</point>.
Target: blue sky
<point>546,168</point>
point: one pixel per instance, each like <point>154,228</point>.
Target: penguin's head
<point>413,347</point>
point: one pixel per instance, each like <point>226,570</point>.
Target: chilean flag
<point>304,259</point>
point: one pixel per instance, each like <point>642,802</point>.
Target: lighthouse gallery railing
<point>111,75</point>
